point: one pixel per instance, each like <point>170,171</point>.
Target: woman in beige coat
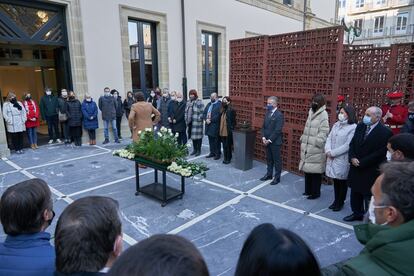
<point>142,115</point>
<point>312,149</point>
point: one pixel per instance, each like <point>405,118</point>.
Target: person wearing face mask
<point>74,113</point>
<point>336,149</point>
<point>119,111</point>
<point>401,147</point>
<point>32,122</point>
<point>152,99</point>
<point>178,119</point>
<point>107,105</point>
<point>389,238</point>
<point>272,139</point>
<point>15,117</point>
<point>128,102</point>
<point>227,124</point>
<point>394,113</point>
<point>90,118</point>
<point>312,154</point>
<point>408,127</point>
<point>211,117</point>
<point>49,108</point>
<point>63,118</point>
<point>367,150</point>
<point>163,108</point>
<point>26,211</point>
<point>194,120</point>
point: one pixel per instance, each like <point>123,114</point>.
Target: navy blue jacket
<point>27,255</point>
<point>90,114</point>
<point>213,128</point>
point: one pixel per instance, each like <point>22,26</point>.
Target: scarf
<point>26,106</point>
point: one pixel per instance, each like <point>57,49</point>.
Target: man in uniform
<point>341,100</point>
<point>395,114</point>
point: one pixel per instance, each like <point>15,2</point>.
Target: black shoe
<point>338,208</point>
<point>217,157</point>
<point>353,217</point>
<point>266,177</point>
<point>117,141</point>
<point>332,206</point>
<point>226,162</point>
<point>197,153</point>
<point>306,194</point>
<point>105,142</point>
<point>313,197</point>
<point>194,152</point>
<point>275,182</point>
<point>210,155</point>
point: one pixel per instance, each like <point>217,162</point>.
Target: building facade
<point>379,22</point>
<point>135,45</point>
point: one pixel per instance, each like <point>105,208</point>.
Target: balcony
<point>371,6</point>
<point>387,32</point>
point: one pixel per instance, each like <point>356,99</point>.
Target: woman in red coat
<point>32,110</point>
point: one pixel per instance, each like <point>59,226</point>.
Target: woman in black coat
<point>178,119</point>
<point>74,114</point>
<point>227,124</point>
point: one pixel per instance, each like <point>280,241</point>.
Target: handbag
<point>63,117</point>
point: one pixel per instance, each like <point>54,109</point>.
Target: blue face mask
<point>367,120</point>
<point>269,107</point>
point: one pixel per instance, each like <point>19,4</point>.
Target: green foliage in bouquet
<point>161,148</point>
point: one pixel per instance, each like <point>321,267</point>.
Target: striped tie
<point>367,132</point>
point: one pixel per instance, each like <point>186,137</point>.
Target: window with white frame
<point>359,3</point>
<point>358,23</point>
<point>380,2</point>
<point>287,2</point>
<point>342,3</point>
<point>402,20</point>
<point>379,24</point>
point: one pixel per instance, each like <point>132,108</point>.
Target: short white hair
<point>273,99</point>
<point>375,110</point>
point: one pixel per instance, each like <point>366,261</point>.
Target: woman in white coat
<point>336,148</point>
<point>312,148</point>
<point>14,114</point>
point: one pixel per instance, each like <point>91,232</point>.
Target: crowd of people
<point>88,238</point>
<point>187,119</point>
<point>350,153</point>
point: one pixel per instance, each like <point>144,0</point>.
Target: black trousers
<point>227,143</point>
<point>17,140</point>
<point>197,144</point>
<point>273,159</point>
<point>313,184</point>
<point>214,143</point>
<point>340,190</point>
<point>92,134</point>
<point>182,137</point>
<point>359,203</point>
<point>118,125</point>
<point>53,127</point>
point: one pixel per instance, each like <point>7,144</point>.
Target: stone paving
<point>216,213</point>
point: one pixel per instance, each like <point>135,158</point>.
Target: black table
<point>159,191</point>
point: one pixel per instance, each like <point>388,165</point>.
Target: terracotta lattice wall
<point>296,66</point>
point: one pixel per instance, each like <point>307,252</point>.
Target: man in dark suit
<point>367,150</point>
<point>272,139</point>
<point>212,118</point>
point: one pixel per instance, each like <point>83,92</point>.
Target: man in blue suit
<point>212,118</point>
<point>272,138</point>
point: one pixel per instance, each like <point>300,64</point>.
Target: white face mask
<point>173,98</point>
<point>179,100</point>
<point>48,93</point>
<point>341,117</point>
<point>152,94</point>
<point>371,211</point>
<point>389,156</point>
<point>89,100</point>
<point>64,94</point>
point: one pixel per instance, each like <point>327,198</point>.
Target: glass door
<point>209,63</point>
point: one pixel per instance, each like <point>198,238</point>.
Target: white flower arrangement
<point>174,167</point>
<point>124,153</point>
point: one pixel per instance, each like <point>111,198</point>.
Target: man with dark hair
<point>88,237</point>
<point>26,210</point>
<point>161,255</point>
<point>389,239</point>
<point>401,147</point>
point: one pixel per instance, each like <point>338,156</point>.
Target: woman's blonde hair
<point>10,95</point>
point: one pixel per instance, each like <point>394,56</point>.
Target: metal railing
<point>371,5</point>
<point>387,32</point>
